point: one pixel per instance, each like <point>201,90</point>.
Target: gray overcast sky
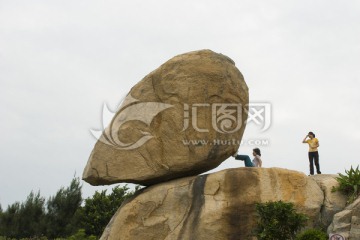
<point>61,60</point>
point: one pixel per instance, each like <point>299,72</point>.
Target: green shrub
<point>33,238</point>
<point>278,221</point>
<point>312,234</point>
<point>80,235</point>
<point>4,238</point>
<point>99,209</point>
<point>349,183</point>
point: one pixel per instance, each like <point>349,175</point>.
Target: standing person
<point>256,162</point>
<point>313,152</point>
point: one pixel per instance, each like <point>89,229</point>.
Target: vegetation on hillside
<point>66,215</point>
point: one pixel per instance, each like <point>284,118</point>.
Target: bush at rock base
<point>278,220</point>
<point>312,234</point>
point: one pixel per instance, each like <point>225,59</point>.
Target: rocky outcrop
<point>182,119</point>
<point>216,206</point>
<point>347,222</point>
<point>334,202</point>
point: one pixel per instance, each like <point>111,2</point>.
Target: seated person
<point>256,162</point>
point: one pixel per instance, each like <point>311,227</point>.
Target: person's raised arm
<point>304,141</point>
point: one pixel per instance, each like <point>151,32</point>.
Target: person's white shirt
<point>257,161</point>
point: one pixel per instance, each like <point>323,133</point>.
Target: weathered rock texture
<point>334,202</point>
<point>215,206</point>
<point>182,119</point>
<point>347,222</point>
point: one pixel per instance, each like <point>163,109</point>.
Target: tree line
<point>65,215</point>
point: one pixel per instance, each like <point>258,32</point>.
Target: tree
<point>61,215</point>
<point>61,220</point>
<point>278,221</point>
<point>25,219</point>
<point>9,222</point>
<point>31,216</point>
<point>1,213</point>
<point>99,209</point>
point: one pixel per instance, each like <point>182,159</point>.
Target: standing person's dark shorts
<point>313,152</point>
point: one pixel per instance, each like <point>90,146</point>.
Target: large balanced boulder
<point>182,119</point>
<point>216,206</point>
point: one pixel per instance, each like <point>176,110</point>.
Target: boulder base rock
<point>334,202</point>
<point>216,206</point>
<point>347,222</point>
<point>182,119</point>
